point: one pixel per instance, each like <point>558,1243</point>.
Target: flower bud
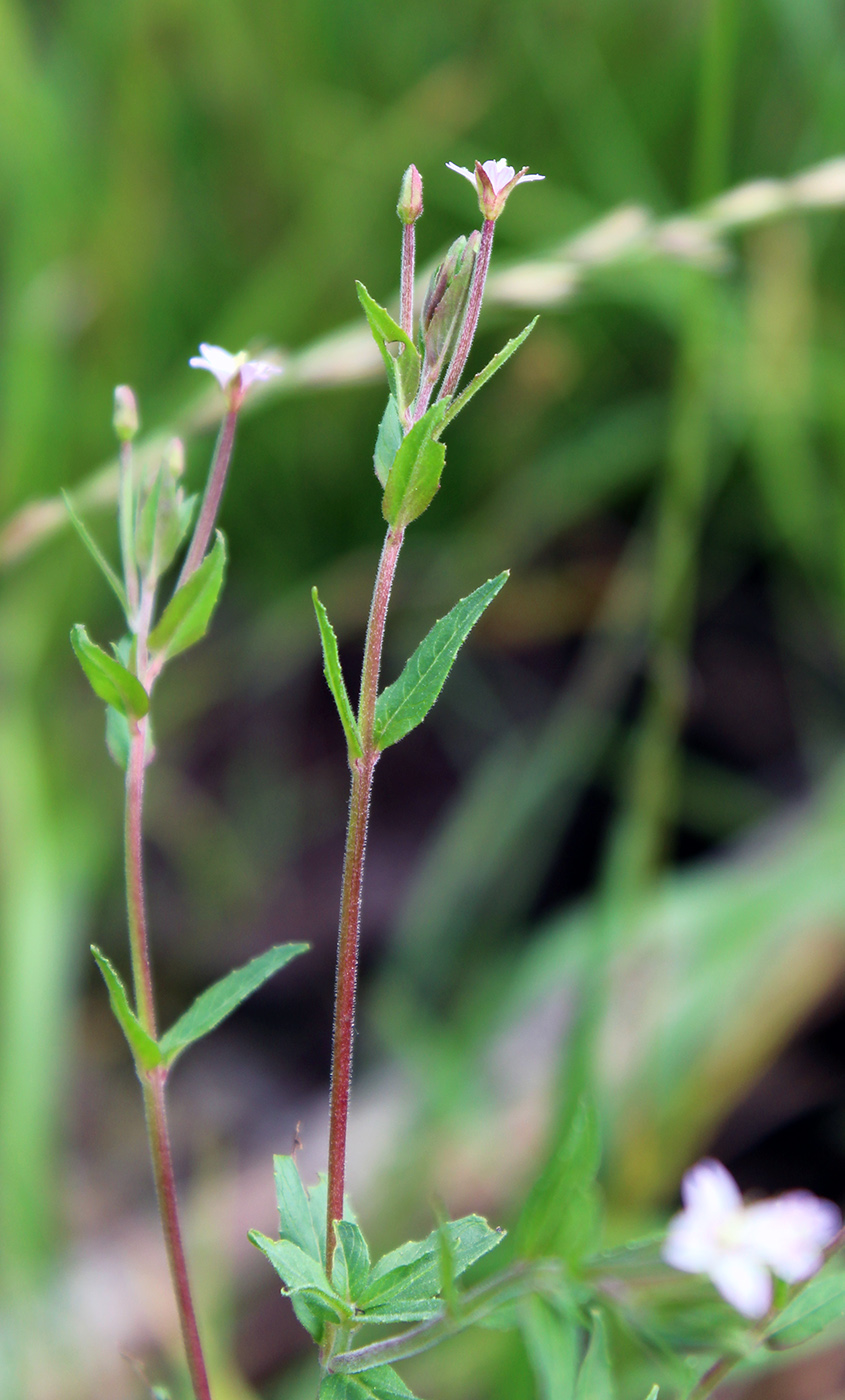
<point>125,416</point>
<point>445,301</point>
<point>410,204</point>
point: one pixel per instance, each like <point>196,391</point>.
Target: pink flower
<point>493,182</point>
<point>226,367</point>
<point>739,1247</point>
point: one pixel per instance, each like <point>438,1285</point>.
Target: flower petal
<point>462,170</point>
<point>255,371</point>
<point>691,1243</point>
<point>709,1189</point>
<point>791,1232</point>
<point>743,1282</point>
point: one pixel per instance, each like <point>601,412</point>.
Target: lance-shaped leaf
<point>185,619</point>
<point>145,1051</point>
<point>388,441</point>
<point>303,1279</point>
<point>486,373</point>
<point>404,1286</point>
<point>219,1001</point>
<point>595,1378</point>
<point>403,367</point>
<point>821,1302</point>
<point>553,1343</point>
<point>405,703</point>
<point>416,471</point>
<point>351,1262</point>
<point>379,1383</point>
<point>109,679</point>
<point>297,1221</point>
<point>96,553</point>
<point>334,678</point>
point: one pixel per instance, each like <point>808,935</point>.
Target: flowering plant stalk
<point>154,519</point>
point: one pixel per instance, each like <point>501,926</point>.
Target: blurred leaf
<point>297,1221</point>
<point>561,1214</point>
<point>380,1383</point>
<point>219,1001</point>
<point>145,1051</point>
<point>819,1303</point>
<point>185,619</point>
<point>552,1343</point>
<point>595,1379</point>
<point>404,1284</point>
<point>388,441</point>
<point>118,738</point>
<point>405,704</point>
<point>334,678</point>
<point>417,467</point>
<point>108,678</point>
<point>480,379</point>
<point>96,553</point>
<point>403,368</point>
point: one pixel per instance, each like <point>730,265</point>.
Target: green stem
<point>473,1306</point>
<point>713,1377</point>
<point>353,878</point>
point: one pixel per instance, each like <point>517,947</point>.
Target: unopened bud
<point>174,457</point>
<point>410,204</point>
<point>446,298</point>
<point>125,416</point>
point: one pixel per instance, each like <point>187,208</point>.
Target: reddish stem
<point>353,876</point>
<point>213,491</point>
<point>406,302</point>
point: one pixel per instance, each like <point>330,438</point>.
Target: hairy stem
<point>476,294</point>
<point>126,527</point>
<point>406,301</point>
<point>353,877</point>
<point>213,491</point>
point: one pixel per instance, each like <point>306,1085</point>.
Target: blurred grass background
<point>631,795</point>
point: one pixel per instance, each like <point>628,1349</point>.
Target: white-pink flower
<point>739,1247</point>
<point>227,367</point>
<point>493,182</point>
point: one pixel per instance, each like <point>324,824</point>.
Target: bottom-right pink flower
<point>738,1246</point>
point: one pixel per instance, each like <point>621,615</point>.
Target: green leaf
<point>108,678</point>
<point>145,531</point>
<point>486,373</point>
<point>405,704</point>
<point>297,1223</point>
<point>416,471</point>
<point>815,1307</point>
<point>334,678</point>
<point>388,441</point>
<point>561,1213</point>
<point>351,1263</point>
<point>653,1393</point>
<point>185,619</point>
<point>219,1001</point>
<point>595,1379</point>
<point>404,1285</point>
<point>552,1343</point>
<point>145,1051</point>
<point>118,739</point>
<point>96,554</point>
<point>379,1383</point>
<point>304,1279</point>
<point>403,369</point>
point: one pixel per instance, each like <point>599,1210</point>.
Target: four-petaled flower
<point>493,182</point>
<point>234,372</point>
<point>739,1247</point>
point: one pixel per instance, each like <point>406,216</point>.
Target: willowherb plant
<point>579,1308</point>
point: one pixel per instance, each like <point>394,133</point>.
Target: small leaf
<point>416,471</point>
<point>185,619</point>
<point>379,1383</point>
<point>405,703</point>
<point>145,1051</point>
<point>817,1305</point>
<point>96,553</point>
<point>351,1260</point>
<point>219,1001</point>
<point>296,1222</point>
<point>595,1379</point>
<point>404,1284</point>
<point>108,678</point>
<point>388,441</point>
<point>403,369</point>
<point>334,678</point>
<point>486,373</point>
<point>303,1278</point>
